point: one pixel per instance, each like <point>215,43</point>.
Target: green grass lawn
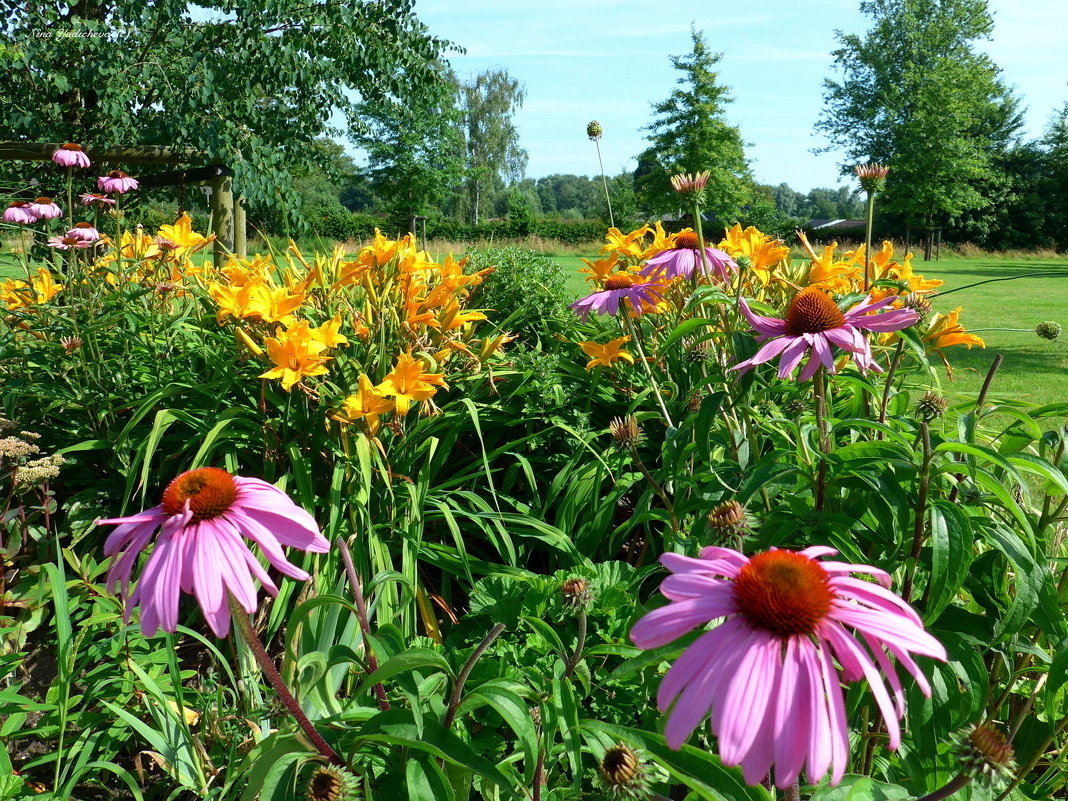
<point>1034,369</point>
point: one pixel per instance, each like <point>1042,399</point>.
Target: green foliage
<point>690,134</point>
<point>491,140</point>
<point>526,290</point>
<point>243,82</point>
<point>914,94</point>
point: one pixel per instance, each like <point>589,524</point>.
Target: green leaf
<point>699,770</point>
<point>425,780</point>
<point>396,727</point>
<point>513,710</point>
<point>951,545</point>
<point>403,663</point>
<point>861,788</point>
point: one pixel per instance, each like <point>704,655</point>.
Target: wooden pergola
<point>227,210</point>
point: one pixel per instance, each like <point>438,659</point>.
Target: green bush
<point>526,289</point>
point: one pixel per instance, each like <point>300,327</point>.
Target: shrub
<point>527,290</point>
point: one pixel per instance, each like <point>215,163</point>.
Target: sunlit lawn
<point>1034,369</point>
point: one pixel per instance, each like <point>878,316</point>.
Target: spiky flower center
<point>17,204</point>
<point>83,225</point>
<point>783,592</point>
<point>618,281</point>
<point>728,515</point>
<point>209,491</point>
<point>991,745</point>
<point>116,174</point>
<point>71,146</point>
<point>71,240</point>
<point>687,240</point>
<point>620,765</point>
<point>43,200</point>
<point>811,312</point>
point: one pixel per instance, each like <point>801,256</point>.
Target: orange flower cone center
<point>71,240</point>
<point>991,744</point>
<point>811,312</point>
<point>43,200</point>
<point>783,592</point>
<point>619,281</point>
<point>209,490</point>
<point>18,204</point>
<point>116,174</point>
<point>71,146</point>
<point>83,225</point>
<point>687,241</point>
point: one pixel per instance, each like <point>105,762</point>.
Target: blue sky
<point>608,60</point>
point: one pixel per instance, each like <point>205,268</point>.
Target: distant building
<point>846,228</point>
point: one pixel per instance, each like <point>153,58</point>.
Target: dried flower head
<point>626,431</point>
<point>576,594</point>
<point>872,176</point>
<point>623,774</point>
<point>984,754</point>
<point>594,130</point>
<point>700,352</point>
<point>931,405</point>
<point>686,184</point>
<point>332,783</point>
<point>1048,330</point>
<point>795,407</point>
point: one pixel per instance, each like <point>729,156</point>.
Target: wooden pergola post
<point>240,232</point>
<point>222,218</point>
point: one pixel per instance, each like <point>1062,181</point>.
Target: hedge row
<point>343,226</point>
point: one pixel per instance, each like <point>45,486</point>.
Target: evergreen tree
<point>914,94</point>
<point>689,134</point>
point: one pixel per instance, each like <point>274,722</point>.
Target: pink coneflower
<point>84,231</point>
<point>45,209</point>
<point>92,198</point>
<point>70,155</point>
<point>67,242</point>
<point>19,211</point>
<point>117,182</point>
<point>767,672</point>
<point>619,287</point>
<point>200,550</point>
<point>813,324</point>
<point>685,257</point>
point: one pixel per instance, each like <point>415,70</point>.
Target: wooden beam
<point>36,151</point>
<point>194,175</point>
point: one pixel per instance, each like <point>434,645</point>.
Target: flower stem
<point>889,381</point>
<point>659,490</point>
<point>919,523</point>
<point>248,634</point>
<point>604,180</point>
<point>465,672</point>
<point>958,782</point>
<point>648,367</point>
<point>867,240</point>
<point>361,614</point>
<point>819,389</point>
<point>579,646</point>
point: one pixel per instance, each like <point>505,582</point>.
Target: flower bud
<point>872,176</point>
<point>931,405</point>
<point>625,431</point>
<point>330,783</point>
<point>576,594</point>
<point>985,755</point>
<point>594,130</point>
<point>623,773</point>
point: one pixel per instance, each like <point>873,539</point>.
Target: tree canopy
<point>251,83</point>
<point>914,94</point>
<point>689,134</point>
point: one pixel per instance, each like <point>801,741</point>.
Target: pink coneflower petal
<point>768,326</point>
<point>204,519</point>
<point>766,676</point>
